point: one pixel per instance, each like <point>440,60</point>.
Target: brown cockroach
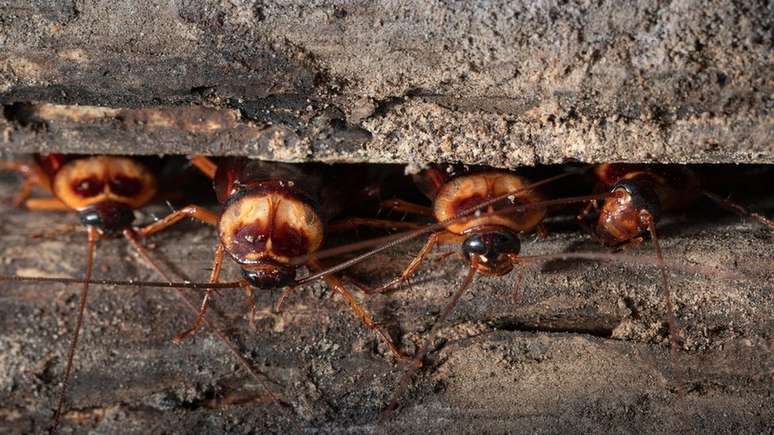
<point>489,238</point>
<point>638,196</point>
<point>472,212</point>
<point>272,214</point>
<point>464,208</point>
<point>104,191</point>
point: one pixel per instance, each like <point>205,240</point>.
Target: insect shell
<point>488,241</point>
<point>268,217</point>
<point>104,190</point>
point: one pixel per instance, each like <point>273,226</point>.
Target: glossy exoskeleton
<point>105,191</point>
<point>272,214</point>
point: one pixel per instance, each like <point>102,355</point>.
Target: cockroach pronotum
<point>104,191</point>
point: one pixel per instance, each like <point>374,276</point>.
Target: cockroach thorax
<point>261,224</point>
<point>86,182</point>
<point>466,191</point>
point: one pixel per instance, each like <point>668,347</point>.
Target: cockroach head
<point>643,196</point>
<point>110,217</point>
<point>490,247</point>
<point>268,275</point>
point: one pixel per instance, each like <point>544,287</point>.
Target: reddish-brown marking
<point>289,242</point>
<point>248,239</point>
<point>125,186</point>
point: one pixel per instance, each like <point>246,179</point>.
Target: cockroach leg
<point>407,207</point>
<point>33,175</point>
<point>250,302</point>
<point>278,307</point>
<point>542,231</point>
<point>738,209</point>
<point>338,286</point>
<point>258,375</point>
<point>45,204</point>
<point>352,223</point>
<point>217,265</point>
<point>192,211</point>
<point>586,211</point>
<point>417,360</point>
<point>205,165</point>
<point>440,237</point>
<point>517,286</point>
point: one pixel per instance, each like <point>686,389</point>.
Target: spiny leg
<point>407,207</point>
<point>46,204</point>
<point>413,267</point>
<point>250,302</point>
<point>92,241</point>
<point>217,264</point>
<point>258,375</point>
<point>355,222</point>
<point>360,312</point>
<point>736,208</point>
<point>34,176</point>
<point>205,165</point>
<point>192,211</point>
<point>283,297</point>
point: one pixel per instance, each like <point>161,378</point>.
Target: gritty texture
<point>582,347</point>
<point>498,82</point>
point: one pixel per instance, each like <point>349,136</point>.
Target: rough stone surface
<point>498,82</point>
<point>583,349</point>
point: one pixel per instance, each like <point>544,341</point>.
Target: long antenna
<point>399,239</point>
<point>258,375</point>
<point>406,378</point>
<point>129,283</point>
<point>93,237</point>
<point>674,327</point>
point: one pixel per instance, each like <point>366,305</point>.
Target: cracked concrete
<point>502,83</point>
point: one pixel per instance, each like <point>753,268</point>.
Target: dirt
<point>582,347</point>
<point>502,83</point>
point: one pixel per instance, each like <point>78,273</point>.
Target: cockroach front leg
<point>33,175</point>
<point>217,264</point>
<point>192,211</point>
<point>442,237</point>
<point>349,224</point>
<point>407,207</point>
<point>205,165</point>
<point>339,287</point>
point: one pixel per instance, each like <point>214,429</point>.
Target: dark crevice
<point>600,328</point>
<point>23,114</point>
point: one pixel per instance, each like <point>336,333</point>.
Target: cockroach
<point>104,191</point>
<point>638,196</point>
<point>464,208</point>
<point>488,237</point>
<point>385,243</point>
<point>272,214</point>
